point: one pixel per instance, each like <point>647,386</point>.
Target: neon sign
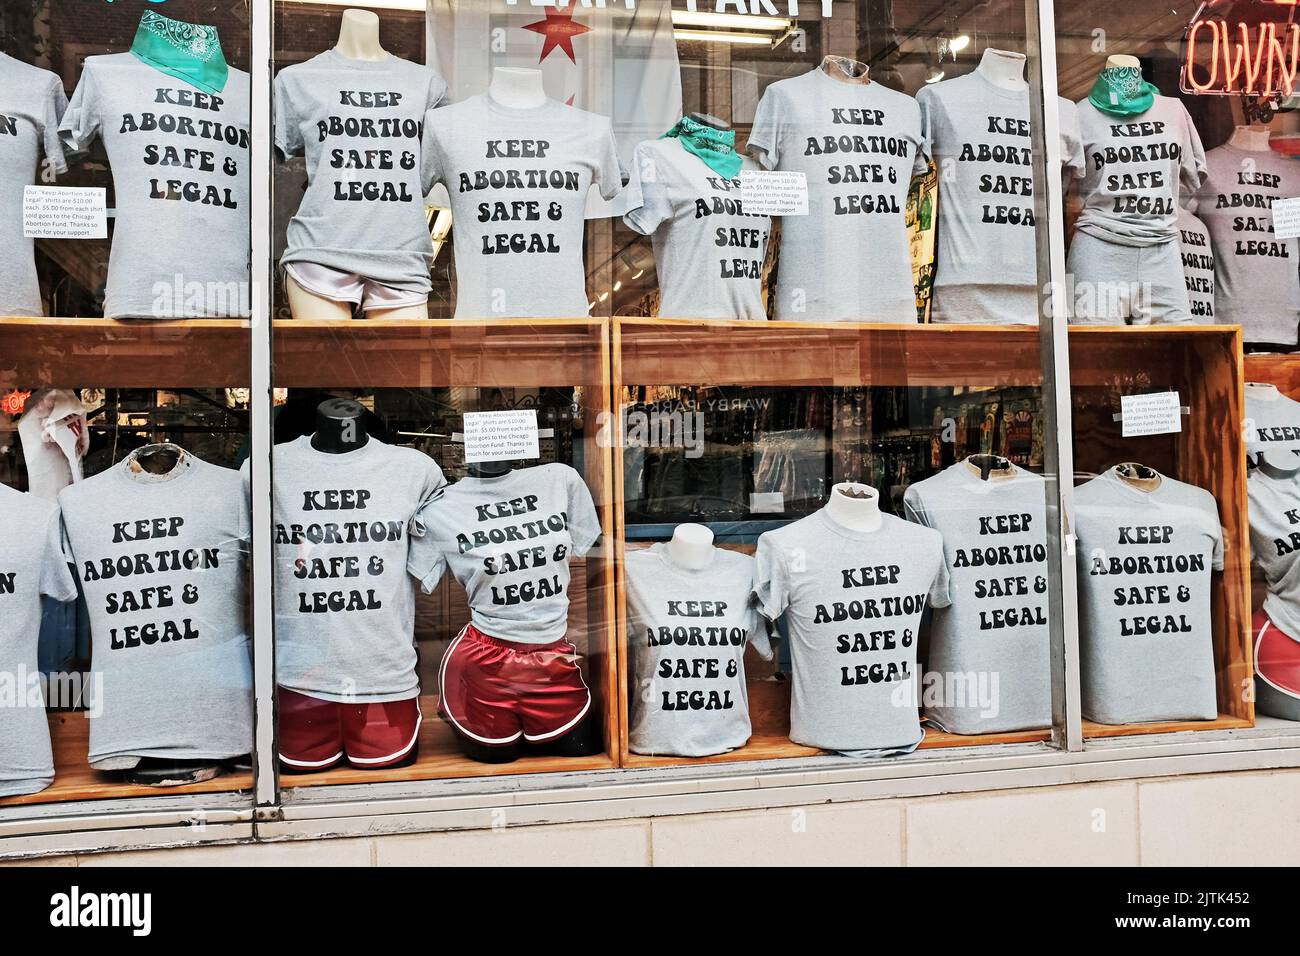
<point>1250,47</point>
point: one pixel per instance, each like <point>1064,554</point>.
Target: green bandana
<point>716,147</point>
<point>1121,91</point>
<point>186,51</point>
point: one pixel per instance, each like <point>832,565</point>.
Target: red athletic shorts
<point>496,692</point>
<point>1277,656</point>
<point>315,733</point>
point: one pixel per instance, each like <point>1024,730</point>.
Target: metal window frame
<point>270,813</point>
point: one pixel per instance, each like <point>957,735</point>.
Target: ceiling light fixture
<point>714,36</point>
<point>729,21</point>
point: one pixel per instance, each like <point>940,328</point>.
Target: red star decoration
<point>558,30</point>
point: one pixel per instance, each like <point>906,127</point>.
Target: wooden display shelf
<point>1282,370</point>
<point>122,353</point>
<point>441,353</point>
<point>1202,362</point>
<point>439,759</point>
<point>75,780</point>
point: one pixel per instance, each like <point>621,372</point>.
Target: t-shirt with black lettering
<point>1274,507</point>
<point>508,541</point>
<point>859,145</point>
<point>1145,630</point>
<point>688,629</point>
<point>1256,280</point>
<point>350,549</point>
<point>359,123</point>
<point>989,664</point>
<point>518,180</point>
<point>32,565</point>
<point>1272,420</point>
<point>979,136</point>
<point>179,158</point>
<point>1136,169</point>
<point>708,253</point>
<point>31,103</point>
<point>1198,266</point>
<point>852,602</point>
<point>162,564</point>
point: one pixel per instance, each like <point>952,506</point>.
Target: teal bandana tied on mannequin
<point>716,147</point>
<point>1121,91</point>
<point>187,51</point>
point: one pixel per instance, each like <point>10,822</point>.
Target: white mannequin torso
<point>1254,139</point>
<point>855,506</point>
<point>517,88</point>
<point>691,546</point>
<point>1121,61</point>
<point>1278,461</point>
<point>1003,69</point>
<point>359,36</point>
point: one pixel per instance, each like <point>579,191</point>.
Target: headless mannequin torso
<point>516,88</point>
<point>358,40</point>
<point>845,70</point>
<point>1277,460</point>
<point>692,546</point>
<point>1138,476</point>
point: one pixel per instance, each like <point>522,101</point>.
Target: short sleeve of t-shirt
<point>1072,157</point>
<point>584,522</point>
<point>288,129</point>
<point>758,637</point>
<point>80,125</point>
<point>1216,561</point>
<point>56,576</point>
<point>765,137</point>
<point>1194,168</point>
<point>424,559</point>
<point>431,169</point>
<point>648,203</point>
<point>771,578</point>
<point>914,511</point>
<point>609,171</point>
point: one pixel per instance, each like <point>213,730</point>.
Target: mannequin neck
<point>1138,476</point>
<point>359,36</point>
<point>340,427</point>
<point>1003,69</point>
<point>1122,62</point>
<point>855,506</point>
<point>1278,462</point>
<point>1255,139</point>
<point>691,546</point>
<point>990,467</point>
<point>516,88</point>
<point>1262,391</point>
<point>845,70</point>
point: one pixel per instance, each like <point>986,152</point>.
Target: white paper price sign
<point>64,212</point>
<point>501,436</point>
<point>1286,218</point>
<point>774,192</point>
<point>1156,413</point>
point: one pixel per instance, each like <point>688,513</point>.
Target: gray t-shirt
<point>162,563</point>
<point>853,602</point>
<point>31,565</point>
<point>1272,420</point>
<point>708,252</point>
<point>687,629</point>
<point>508,541</point>
<point>1198,266</point>
<point>849,258</point>
<point>349,550</point>
<point>1146,647</point>
<point>1136,167</point>
<point>979,136</point>
<point>180,186</point>
<point>31,103</point>
<point>1257,286</point>
<point>518,181</point>
<point>989,663</point>
<point>1274,508</point>
<point>359,123</point>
